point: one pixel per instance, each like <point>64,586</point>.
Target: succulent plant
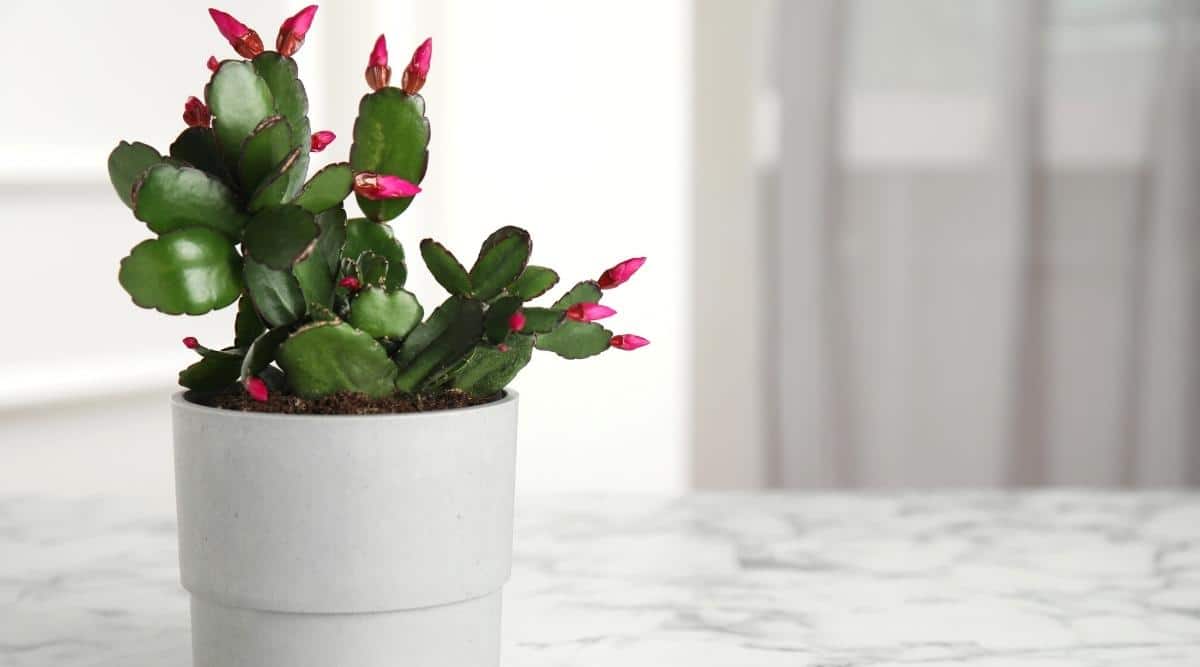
<point>321,300</point>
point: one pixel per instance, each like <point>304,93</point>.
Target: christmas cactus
<point>321,301</point>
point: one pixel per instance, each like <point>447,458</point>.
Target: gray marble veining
<point>1046,580</point>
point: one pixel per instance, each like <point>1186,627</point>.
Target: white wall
<point>570,120</point>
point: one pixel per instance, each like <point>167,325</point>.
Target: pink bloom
<point>418,68</point>
<point>195,114</point>
<point>244,40</point>
<point>516,321</point>
<point>383,186</point>
<point>257,389</point>
<point>589,312</point>
<point>378,73</point>
<point>212,63</point>
<point>620,273</point>
<point>351,283</point>
<point>628,342</point>
<point>502,347</point>
<point>320,140</point>
<point>291,33</point>
<point>191,343</point>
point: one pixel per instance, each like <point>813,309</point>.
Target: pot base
<point>462,634</point>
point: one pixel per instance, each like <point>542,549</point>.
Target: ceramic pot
<point>345,540</point>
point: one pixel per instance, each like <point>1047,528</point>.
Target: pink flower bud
<point>502,347</point>
<point>243,40</point>
<point>620,273</point>
<point>195,114</point>
<point>378,73</point>
<point>351,283</point>
<point>628,342</point>
<point>191,343</point>
<point>257,389</point>
<point>320,140</point>
<point>589,312</point>
<point>212,63</point>
<point>291,33</point>
<point>418,68</point>
<point>516,321</point>
<point>383,186</point>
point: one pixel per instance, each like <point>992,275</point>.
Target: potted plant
<point>344,469</point>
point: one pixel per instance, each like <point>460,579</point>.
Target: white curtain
<point>985,234</point>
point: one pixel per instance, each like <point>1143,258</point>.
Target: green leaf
<point>276,293</point>
<point>495,324</point>
<point>587,291</point>
<point>333,236</point>
<point>372,269</point>
<point>575,340</point>
<point>363,234</point>
<point>327,357</point>
<point>316,282</point>
<point>262,351</point>
<point>170,197</point>
<point>445,268</point>
<point>541,320</point>
<point>240,100</point>
<point>263,150</point>
<point>191,271</point>
<point>126,163</point>
<point>291,101</point>
<point>488,369</point>
<point>452,329</point>
<point>391,136</point>
<point>385,314</point>
<point>212,373</point>
<point>278,237</point>
<point>501,259</point>
<point>277,187</point>
<point>327,188</point>
<point>533,282</point>
<point>248,325</point>
<point>197,146</point>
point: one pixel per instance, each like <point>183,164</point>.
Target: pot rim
<point>180,401</point>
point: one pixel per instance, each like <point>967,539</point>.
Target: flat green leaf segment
<point>533,282</point>
<point>280,74</point>
<point>587,291</point>
<point>541,320</point>
<point>190,271</point>
<point>333,236</point>
<point>169,197</point>
<point>385,314</point>
<point>276,293</point>
<point>211,373</point>
<point>240,100</point>
<point>489,369</point>
<point>197,146</point>
<point>277,186</point>
<point>445,268</point>
<point>126,163</point>
<point>391,136</point>
<point>501,259</point>
<point>263,150</point>
<point>363,235</point>
<point>327,188</point>
<point>248,325</point>
<point>439,341</point>
<point>278,237</point>
<point>262,351</point>
<point>575,340</point>
<point>328,357</point>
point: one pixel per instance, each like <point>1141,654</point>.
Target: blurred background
<point>892,244</point>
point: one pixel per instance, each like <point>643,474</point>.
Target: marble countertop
<point>1045,580</point>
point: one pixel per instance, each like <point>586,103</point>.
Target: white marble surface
<point>1050,579</point>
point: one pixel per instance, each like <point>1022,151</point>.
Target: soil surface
<point>342,403</point>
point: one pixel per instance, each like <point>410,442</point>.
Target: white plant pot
<point>360,541</point>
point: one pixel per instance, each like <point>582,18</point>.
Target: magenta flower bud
<point>257,389</point>
<point>378,73</point>
<point>191,343</point>
<point>516,321</point>
<point>212,63</point>
<point>351,283</point>
<point>291,33</point>
<point>628,342</point>
<point>589,312</point>
<point>243,40</point>
<point>418,68</point>
<point>620,273</point>
<point>502,347</point>
<point>320,140</point>
<point>383,186</point>
<point>196,114</point>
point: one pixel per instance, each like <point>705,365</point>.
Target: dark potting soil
<point>342,403</point>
